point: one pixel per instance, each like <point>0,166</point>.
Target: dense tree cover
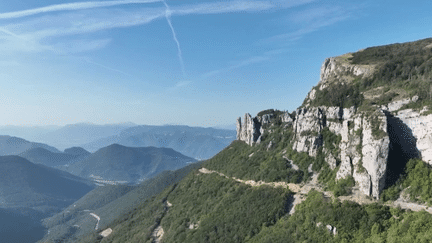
<point>270,112</point>
<point>331,141</point>
<point>405,67</point>
<point>257,163</point>
<point>341,95</point>
<point>225,211</point>
<point>416,179</point>
<point>354,223</point>
<point>398,61</point>
<point>139,223</point>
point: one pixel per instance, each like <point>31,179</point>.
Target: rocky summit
<point>374,119</point>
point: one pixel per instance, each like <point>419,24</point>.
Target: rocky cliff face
<point>372,144</point>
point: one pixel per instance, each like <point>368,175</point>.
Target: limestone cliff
<point>373,140</point>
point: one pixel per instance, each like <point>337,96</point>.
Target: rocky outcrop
<point>359,152</point>
<point>373,145</point>
<point>337,68</point>
<point>375,153</point>
<point>420,126</point>
<point>248,130</point>
<point>307,127</point>
<point>251,129</point>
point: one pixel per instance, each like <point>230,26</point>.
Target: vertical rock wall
<point>361,154</point>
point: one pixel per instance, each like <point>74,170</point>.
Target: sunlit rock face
<point>375,144</point>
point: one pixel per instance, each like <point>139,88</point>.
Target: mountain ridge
<point>118,163</point>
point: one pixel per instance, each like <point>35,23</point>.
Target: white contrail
<point>168,18</point>
<point>70,6</point>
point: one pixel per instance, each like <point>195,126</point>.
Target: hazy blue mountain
<point>48,158</point>
<point>195,142</point>
<point>121,163</point>
<point>31,192</point>
<point>24,184</point>
<point>20,225</point>
<point>26,132</point>
<point>77,151</point>
<point>226,127</point>
<point>14,146</point>
<point>80,133</point>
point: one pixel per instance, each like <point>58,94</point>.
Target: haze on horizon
<point>197,63</point>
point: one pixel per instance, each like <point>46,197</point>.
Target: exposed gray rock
<point>307,126</point>
<point>421,128</point>
<point>348,112</point>
<point>248,130</point>
<point>334,68</point>
<point>286,117</point>
<point>361,155</point>
<point>364,181</point>
<point>375,153</point>
<point>329,228</point>
<point>331,160</point>
<point>334,112</point>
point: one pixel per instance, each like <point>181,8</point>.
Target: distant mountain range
<point>48,158</point>
<point>116,163</point>
<point>80,133</point>
<point>14,146</point>
<point>195,142</point>
<point>27,132</point>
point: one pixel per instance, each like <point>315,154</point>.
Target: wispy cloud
<point>311,20</point>
<point>70,7</point>
<point>179,52</point>
<point>39,30</point>
<point>102,19</point>
<point>182,83</point>
<point>243,63</point>
<point>176,87</point>
<point>77,46</point>
<point>89,60</point>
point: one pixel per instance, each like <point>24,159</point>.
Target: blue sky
<point>197,63</point>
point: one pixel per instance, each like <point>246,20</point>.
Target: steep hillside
<point>120,164</point>
<point>195,142</point>
<point>14,146</point>
<point>24,184</point>
<point>48,158</point>
<point>17,227</point>
<point>214,207</point>
<point>349,165</point>
<point>110,203</point>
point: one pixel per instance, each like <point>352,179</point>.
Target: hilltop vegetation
<point>400,71</point>
<point>416,179</point>
<point>353,222</point>
<point>224,211</point>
